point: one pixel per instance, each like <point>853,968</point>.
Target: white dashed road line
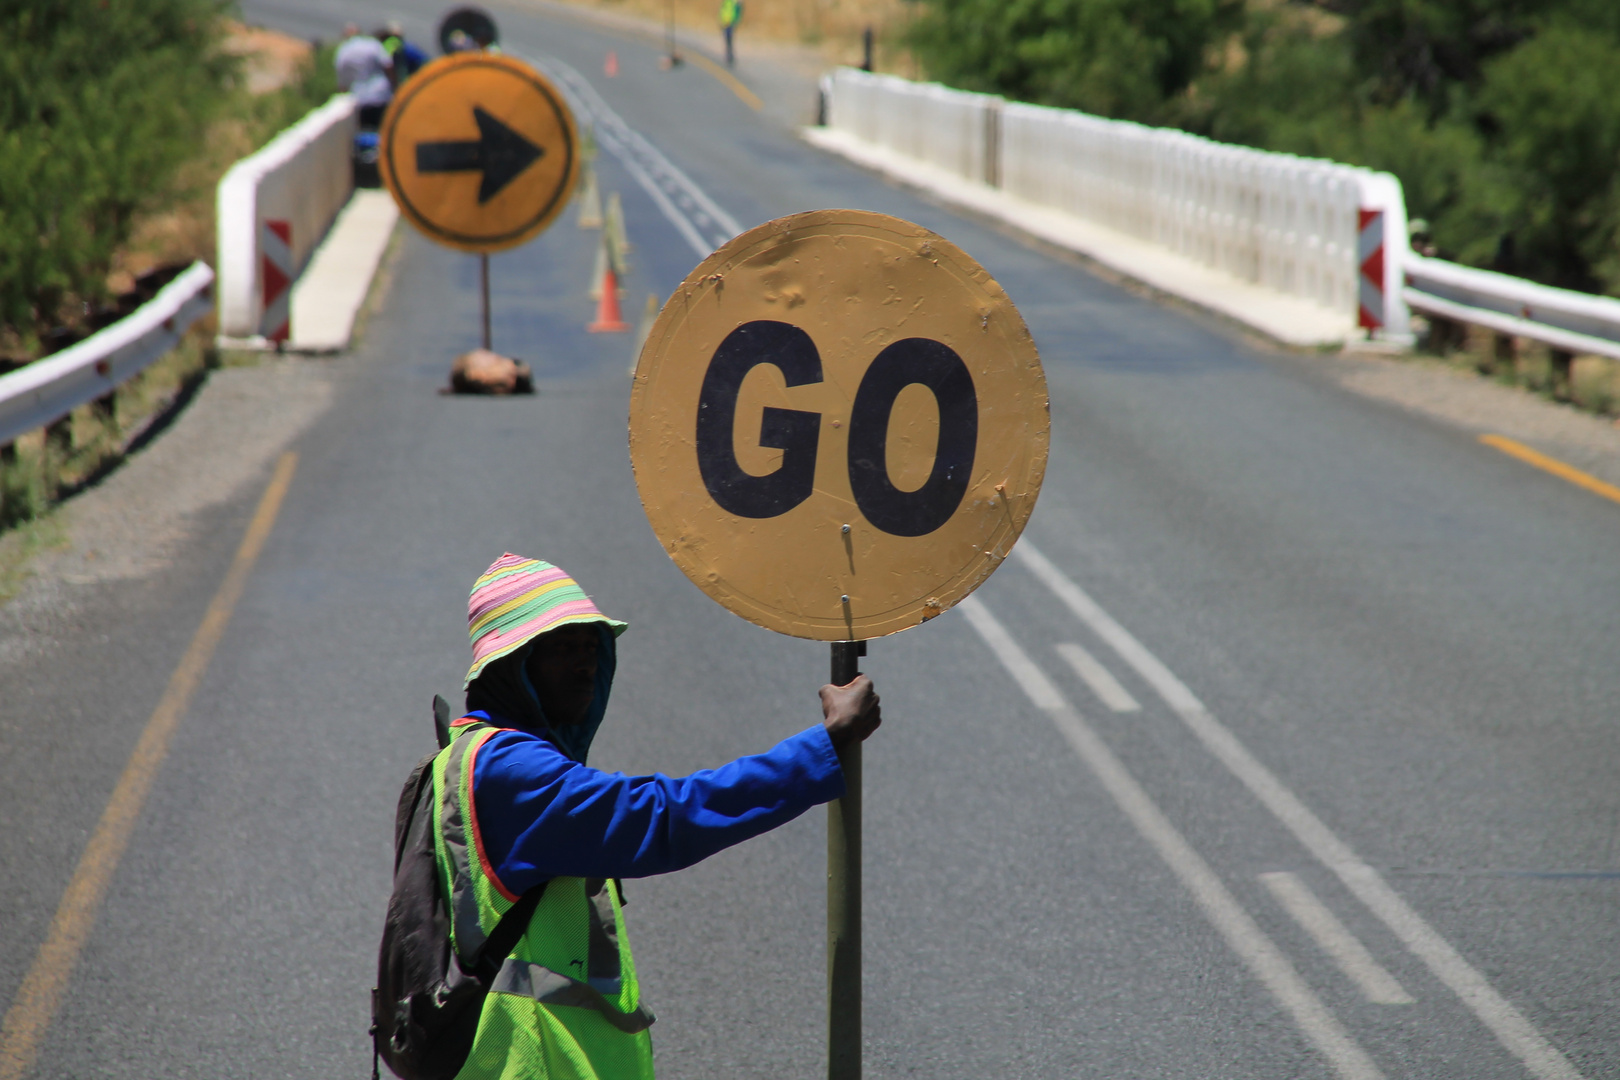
<point>1375,983</point>
<point>1251,944</point>
<point>1507,1023</point>
<point>707,226</point>
<point>1098,678</point>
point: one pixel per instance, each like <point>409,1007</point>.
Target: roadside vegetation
<point>120,118</point>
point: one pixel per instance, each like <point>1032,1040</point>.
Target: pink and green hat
<point>517,600</point>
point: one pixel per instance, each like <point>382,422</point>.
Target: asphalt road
<point>1373,664</point>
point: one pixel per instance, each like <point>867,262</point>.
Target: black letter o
<point>936,366</point>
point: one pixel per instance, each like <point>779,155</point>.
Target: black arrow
<point>499,152</point>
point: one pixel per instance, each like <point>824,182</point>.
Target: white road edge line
<point>1376,984</point>
<point>1512,1030</point>
<point>1098,678</point>
<point>626,144</point>
<point>1245,938</point>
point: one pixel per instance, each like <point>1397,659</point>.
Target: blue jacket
<point>542,814</point>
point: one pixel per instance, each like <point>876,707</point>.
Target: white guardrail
<point>274,208</point>
<point>47,390</point>
<point>1332,234</point>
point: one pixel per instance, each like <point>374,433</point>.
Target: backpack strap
<point>421,780</point>
<point>441,721</point>
<point>504,938</point>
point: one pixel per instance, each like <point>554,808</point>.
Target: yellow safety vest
<point>566,1004</point>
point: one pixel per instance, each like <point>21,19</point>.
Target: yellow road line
<point>45,985</point>
<point>1552,465</point>
<point>734,84</point>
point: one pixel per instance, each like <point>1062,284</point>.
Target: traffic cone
<point>609,320</point>
<point>610,67</point>
<point>614,224</point>
<point>590,204</point>
<point>598,271</point>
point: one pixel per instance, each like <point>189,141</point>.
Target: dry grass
<point>832,27</point>
<point>183,231</point>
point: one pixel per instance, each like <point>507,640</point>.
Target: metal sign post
<point>844,895</point>
<point>483,290</point>
<point>673,57</point>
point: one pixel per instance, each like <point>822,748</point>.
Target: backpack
<point>426,1004</point>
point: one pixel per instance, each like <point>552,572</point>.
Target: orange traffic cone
<point>609,320</point>
<point>610,67</point>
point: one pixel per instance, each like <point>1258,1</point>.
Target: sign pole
<point>669,34</point>
<point>483,289</point>
<point>844,894</point>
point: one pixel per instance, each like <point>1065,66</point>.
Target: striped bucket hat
<point>518,599</point>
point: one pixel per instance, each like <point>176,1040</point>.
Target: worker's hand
<point>852,712</point>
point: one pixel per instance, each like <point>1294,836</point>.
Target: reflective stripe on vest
<point>551,988</point>
<point>576,919</point>
<point>453,769</point>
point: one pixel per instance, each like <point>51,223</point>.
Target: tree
<point>104,99</point>
<point>1121,58</point>
<point>1552,106</point>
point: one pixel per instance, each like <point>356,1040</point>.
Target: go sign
<point>838,425</point>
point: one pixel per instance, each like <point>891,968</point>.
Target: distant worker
<point>460,41</point>
<point>364,69</point>
<point>407,58</point>
<point>518,809</point>
<point>731,13</point>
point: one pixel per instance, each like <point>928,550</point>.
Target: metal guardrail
<point>1571,321</point>
<point>47,390</point>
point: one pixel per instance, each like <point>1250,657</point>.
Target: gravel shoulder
<point>135,521</point>
<point>1479,405</point>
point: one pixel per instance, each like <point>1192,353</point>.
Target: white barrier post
<point>1381,192</point>
<point>301,178</point>
<point>1370,263</point>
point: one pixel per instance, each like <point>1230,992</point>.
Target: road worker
<point>365,69</point>
<point>408,58</point>
<point>518,806</point>
<point>731,12</point>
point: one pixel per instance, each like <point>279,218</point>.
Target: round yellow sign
<point>838,425</point>
<point>479,151</point>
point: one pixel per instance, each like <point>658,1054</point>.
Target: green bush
<point>1553,105</point>
<point>104,100</point>
<point>1123,58</point>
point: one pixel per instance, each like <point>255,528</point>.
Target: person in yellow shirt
<point>731,12</point>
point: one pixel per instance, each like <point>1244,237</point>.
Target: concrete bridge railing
<point>274,208</point>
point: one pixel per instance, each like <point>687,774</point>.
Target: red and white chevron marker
<point>1370,258</point>
<point>275,278</point>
